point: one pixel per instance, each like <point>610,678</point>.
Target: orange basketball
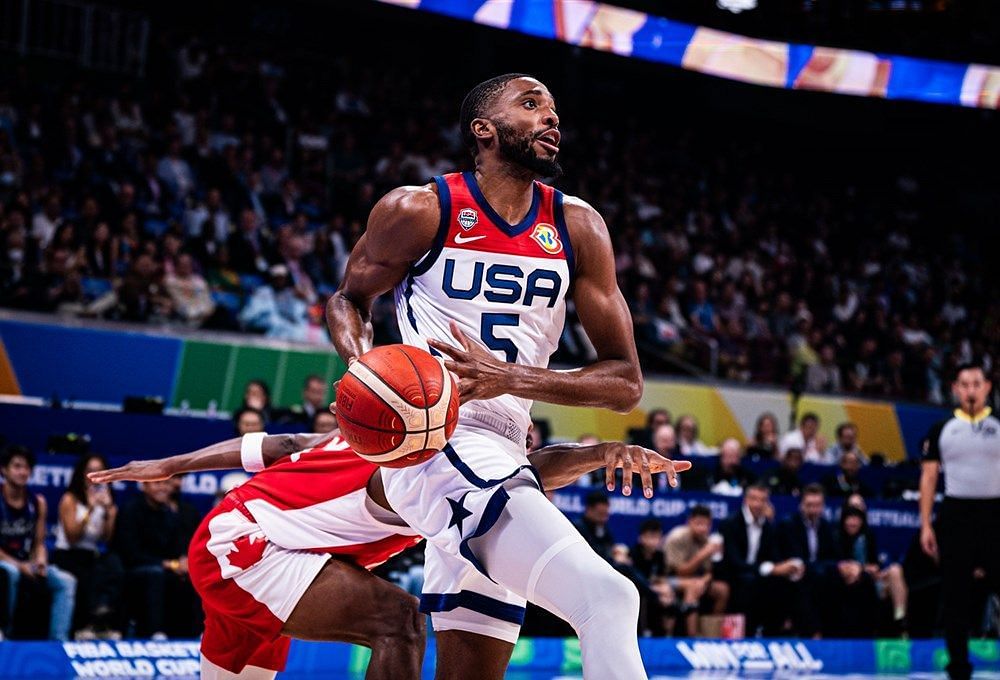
<point>397,405</point>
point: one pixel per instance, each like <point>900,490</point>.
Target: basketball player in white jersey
<point>487,258</point>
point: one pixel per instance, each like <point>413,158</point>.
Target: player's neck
<point>508,188</point>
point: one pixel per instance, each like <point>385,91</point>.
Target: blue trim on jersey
<point>491,513</point>
<point>444,199</point>
<point>477,602</point>
<point>557,209</point>
<point>501,223</point>
<point>475,479</point>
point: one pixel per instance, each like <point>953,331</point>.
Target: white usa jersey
<point>504,284</point>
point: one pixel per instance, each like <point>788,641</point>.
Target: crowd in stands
<point>226,191</point>
<point>111,568</point>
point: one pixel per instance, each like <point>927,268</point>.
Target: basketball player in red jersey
<point>261,559</point>
<point>486,259</point>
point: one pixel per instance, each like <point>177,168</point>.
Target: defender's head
<point>513,117</point>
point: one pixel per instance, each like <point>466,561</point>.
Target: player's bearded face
<point>518,147</point>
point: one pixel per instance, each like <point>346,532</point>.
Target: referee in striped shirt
<point>966,447</point>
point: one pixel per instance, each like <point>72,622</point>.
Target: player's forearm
<point>928,488</point>
<point>560,465</point>
<point>612,384</point>
<point>350,326</point>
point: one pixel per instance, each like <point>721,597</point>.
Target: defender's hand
<point>629,457</point>
<point>480,374</point>
<point>134,471</point>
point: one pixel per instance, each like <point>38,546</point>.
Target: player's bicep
<point>401,229</point>
<point>599,302</point>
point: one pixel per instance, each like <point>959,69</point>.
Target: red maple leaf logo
<point>247,552</point>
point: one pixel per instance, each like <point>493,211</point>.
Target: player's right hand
<point>134,471</point>
<point>928,541</point>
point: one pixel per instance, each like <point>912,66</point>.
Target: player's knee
<point>402,621</point>
<point>619,598</point>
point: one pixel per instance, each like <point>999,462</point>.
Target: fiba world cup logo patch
<point>548,238</point>
<point>468,218</point>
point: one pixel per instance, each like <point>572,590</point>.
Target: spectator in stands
<point>87,514</point>
<point>847,440</point>
<point>760,582</point>
<point>24,558</point>
<point>824,376</point>
<point>140,296</point>
<point>647,554</point>
<point>175,173</point>
<point>323,422</point>
<point>277,309</point>
<point>857,543</point>
<point>765,438</point>
<point>150,541</point>
<point>687,438</point>
<point>848,480</point>
<point>192,300</point>
<point>729,477</point>
<point>784,481</point>
<point>690,551</point>
<point>648,561</point>
<point>807,438</point>
<point>654,419</point>
<point>248,420</point>
<point>593,525</point>
<point>665,444</point>
<point>833,587</point>
<point>248,249</point>
<point>314,401</point>
<point>257,396</point>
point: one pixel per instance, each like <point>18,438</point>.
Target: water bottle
<point>213,406</point>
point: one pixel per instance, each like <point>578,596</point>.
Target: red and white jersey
<point>504,284</point>
<point>316,500</point>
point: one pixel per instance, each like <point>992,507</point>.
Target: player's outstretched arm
<point>614,381</point>
<point>401,229</point>
<point>221,456</point>
<point>560,465</point>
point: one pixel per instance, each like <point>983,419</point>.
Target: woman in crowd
<point>765,438</point>
<point>87,514</point>
<point>857,542</point>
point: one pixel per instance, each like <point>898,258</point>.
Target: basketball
<point>397,405</point>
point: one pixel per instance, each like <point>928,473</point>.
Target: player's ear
<point>483,129</point>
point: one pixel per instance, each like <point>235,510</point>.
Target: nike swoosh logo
<point>467,239</point>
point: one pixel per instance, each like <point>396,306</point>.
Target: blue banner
<point>532,658</point>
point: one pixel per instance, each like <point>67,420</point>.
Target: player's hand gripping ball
<point>397,405</point>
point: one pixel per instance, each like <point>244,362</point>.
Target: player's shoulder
<point>577,210</point>
<point>412,200</point>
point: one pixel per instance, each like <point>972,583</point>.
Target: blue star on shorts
<point>458,512</point>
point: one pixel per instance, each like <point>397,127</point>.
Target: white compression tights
<point>537,553</point>
<point>209,671</point>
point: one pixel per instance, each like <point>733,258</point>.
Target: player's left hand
<point>631,458</point>
<point>134,471</point>
<point>480,374</point>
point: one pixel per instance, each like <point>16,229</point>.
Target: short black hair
<point>312,377</point>
<point>651,524</point>
<point>17,451</point>
<point>809,416</point>
<point>844,426</point>
<point>969,366</point>
<point>318,415</point>
<point>699,511</point>
<point>263,386</point>
<point>596,498</point>
<point>475,104</point>
<point>813,489</point>
<point>246,409</point>
<point>759,486</point>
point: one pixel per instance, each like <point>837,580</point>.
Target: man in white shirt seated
<point>807,438</point>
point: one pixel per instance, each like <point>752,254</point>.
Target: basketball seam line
<point>382,380</point>
<point>423,390</point>
<point>379,429</point>
<point>379,397</point>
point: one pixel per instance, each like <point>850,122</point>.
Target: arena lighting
<point>772,63</point>
<point>736,6</point>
